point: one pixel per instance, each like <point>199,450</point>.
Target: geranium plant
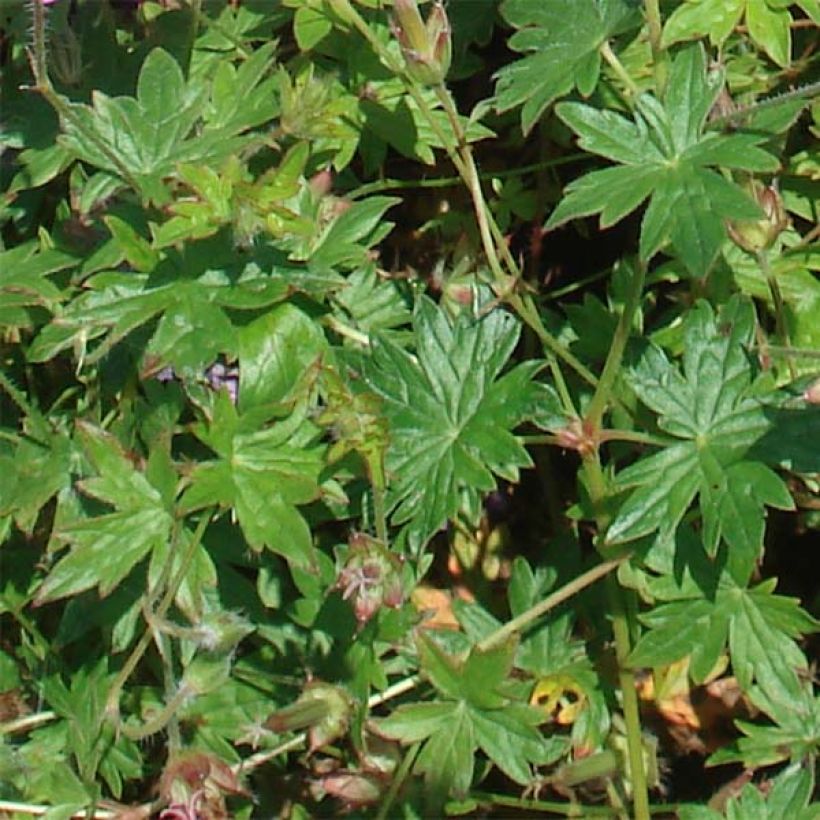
<point>408,409</point>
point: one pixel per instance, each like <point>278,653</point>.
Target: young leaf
<point>708,408</point>
<point>565,36</point>
<point>665,155</point>
<point>449,415</point>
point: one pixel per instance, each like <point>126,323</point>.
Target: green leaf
<point>769,24</point>
<point>348,237</point>
<point>413,722</point>
<point>770,28</point>
<point>136,250</point>
<point>310,25</point>
<point>565,36</point>
<point>275,351</point>
<point>708,408</point>
<point>265,475</point>
<point>510,739</point>
<point>474,716</point>
<point>664,155</point>
<point>107,547</point>
<point>36,472</point>
<point>449,414</point>
<point>25,283</point>
<point>447,758</point>
<point>759,627</point>
<point>142,140</point>
<point>796,734</point>
<point>697,18</point>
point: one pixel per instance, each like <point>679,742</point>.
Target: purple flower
<point>220,375</point>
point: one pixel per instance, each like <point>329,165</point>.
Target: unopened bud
<point>323,709</point>
<point>757,235</point>
<point>65,57</point>
<point>426,47</point>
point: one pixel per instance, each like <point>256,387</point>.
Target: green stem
<point>781,328</point>
<point>659,65</point>
<point>23,724</point>
<point>629,693</point>
<point>808,91</point>
<point>160,720</point>
<point>617,66</point>
<point>461,156</point>
<point>338,326</point>
<point>170,590</point>
<point>612,366</point>
<point>597,488</point>
<point>473,183</point>
<point>448,182</point>
<point>378,484</point>
<point>548,603</point>
<point>37,54</point>
<point>398,779</point>
<point>797,352</point>
<point>603,436</point>
<point>636,437</point>
<point>550,806</point>
<point>561,386</point>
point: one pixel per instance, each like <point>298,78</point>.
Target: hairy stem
<point>170,591</point>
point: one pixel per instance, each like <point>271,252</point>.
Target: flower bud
<point>323,709</point>
<point>757,235</point>
<point>427,48</point>
<point>65,57</point>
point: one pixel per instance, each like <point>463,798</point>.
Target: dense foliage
<point>346,464</point>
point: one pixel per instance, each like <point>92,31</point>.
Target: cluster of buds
<point>426,47</point>
<point>757,235</point>
<point>371,577</point>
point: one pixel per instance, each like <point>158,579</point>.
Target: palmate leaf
<point>450,417</point>
<point>142,140</point>
<point>758,627</point>
<point>665,155</point>
<point>107,547</point>
<point>473,715</point>
<point>24,282</point>
<point>565,37</point>
<point>193,326</point>
<point>264,474</point>
<point>708,408</point>
<point>702,611</point>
